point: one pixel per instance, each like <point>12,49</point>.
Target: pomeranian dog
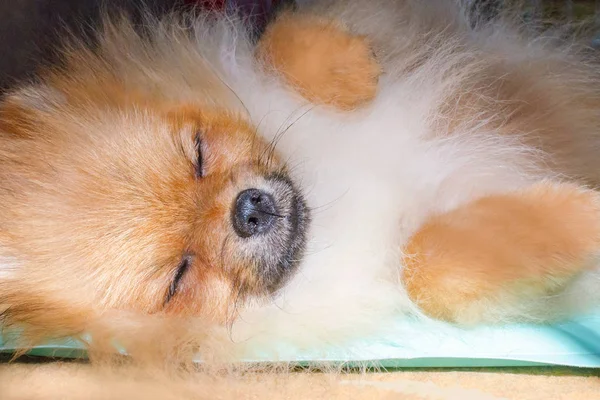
<point>363,160</point>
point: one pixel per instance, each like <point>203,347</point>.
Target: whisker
<point>326,206</point>
<point>278,137</point>
<point>270,150</point>
<point>271,214</point>
<point>256,135</point>
<point>267,149</point>
<point>233,92</point>
<point>280,308</point>
<point>234,310</point>
<point>223,248</point>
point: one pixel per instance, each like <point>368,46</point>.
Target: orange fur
<point>164,215</point>
<point>501,249</point>
<point>322,60</point>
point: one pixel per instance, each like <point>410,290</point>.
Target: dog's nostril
<point>256,199</point>
<point>254,213</point>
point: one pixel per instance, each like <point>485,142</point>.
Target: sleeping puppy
<point>148,175</point>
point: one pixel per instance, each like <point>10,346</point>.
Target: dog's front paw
<point>502,257</point>
<point>322,60</point>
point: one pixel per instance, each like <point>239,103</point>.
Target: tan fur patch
<point>484,250</point>
<point>323,60</point>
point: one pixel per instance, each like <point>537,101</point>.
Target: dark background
<point>30,29</point>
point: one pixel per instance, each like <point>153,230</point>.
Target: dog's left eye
<point>180,272</point>
<point>199,164</point>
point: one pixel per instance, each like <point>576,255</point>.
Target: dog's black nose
<point>254,213</point>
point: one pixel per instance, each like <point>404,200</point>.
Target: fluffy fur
<point>466,112</point>
<point>468,116</point>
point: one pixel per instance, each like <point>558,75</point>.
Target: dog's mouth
<point>271,223</point>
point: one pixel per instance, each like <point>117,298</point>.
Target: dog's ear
<point>23,110</point>
<point>40,98</point>
<point>28,315</point>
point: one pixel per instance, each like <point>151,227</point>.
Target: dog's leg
<point>489,260</point>
<point>321,59</point>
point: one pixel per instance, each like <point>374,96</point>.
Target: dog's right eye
<point>199,164</point>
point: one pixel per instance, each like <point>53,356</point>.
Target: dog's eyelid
<point>180,272</point>
<point>199,161</point>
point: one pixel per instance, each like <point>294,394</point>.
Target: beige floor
<point>67,381</point>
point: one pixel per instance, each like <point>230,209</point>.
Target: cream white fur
<point>7,267</point>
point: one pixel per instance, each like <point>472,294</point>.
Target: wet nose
<point>254,213</point>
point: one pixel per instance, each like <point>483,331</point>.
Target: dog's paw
<point>322,60</point>
<point>497,258</point>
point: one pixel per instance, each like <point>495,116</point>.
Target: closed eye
<point>199,164</point>
<point>180,272</point>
